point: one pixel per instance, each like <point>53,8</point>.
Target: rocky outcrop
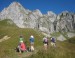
<point>61,38</point>
<point>25,18</point>
<point>16,13</point>
<point>46,23</point>
<point>70,35</point>
<point>65,21</point>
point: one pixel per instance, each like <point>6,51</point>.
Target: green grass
<point>7,47</point>
<point>55,34</point>
<point>72,40</point>
<point>63,50</point>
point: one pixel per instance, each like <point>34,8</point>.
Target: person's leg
<point>32,46</point>
<point>51,43</point>
<point>22,51</point>
<point>54,45</point>
<point>19,49</point>
<point>45,46</point>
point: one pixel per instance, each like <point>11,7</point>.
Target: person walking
<point>32,42</point>
<point>45,41</point>
<point>53,42</point>
<point>21,46</point>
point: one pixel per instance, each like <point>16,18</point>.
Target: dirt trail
<point>4,38</point>
<point>26,54</point>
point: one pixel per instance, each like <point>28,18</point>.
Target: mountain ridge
<point>49,23</point>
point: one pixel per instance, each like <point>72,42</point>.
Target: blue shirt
<point>31,39</point>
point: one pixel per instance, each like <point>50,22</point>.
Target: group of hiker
<point>22,46</point>
<point>46,42</point>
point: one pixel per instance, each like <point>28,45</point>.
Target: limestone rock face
<point>61,38</point>
<point>65,22</point>
<point>16,13</point>
<point>74,22</point>
<point>48,23</point>
<point>22,17</point>
<point>34,16</point>
<point>51,15</point>
<point>74,18</point>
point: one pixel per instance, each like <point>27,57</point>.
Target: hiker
<point>32,42</point>
<point>45,41</point>
<point>21,47</point>
<point>53,42</point>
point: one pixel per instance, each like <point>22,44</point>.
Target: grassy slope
<point>7,47</point>
<point>64,49</point>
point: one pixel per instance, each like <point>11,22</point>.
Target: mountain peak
<point>15,3</point>
<point>50,13</point>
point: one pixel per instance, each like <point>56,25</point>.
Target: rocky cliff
<point>48,23</point>
<point>66,21</point>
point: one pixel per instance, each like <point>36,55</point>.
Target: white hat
<point>32,36</point>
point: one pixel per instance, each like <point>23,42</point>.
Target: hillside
<point>15,20</point>
<point>7,47</point>
<point>64,49</point>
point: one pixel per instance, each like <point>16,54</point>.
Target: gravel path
<point>4,38</point>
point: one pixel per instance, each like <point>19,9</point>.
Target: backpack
<point>31,39</point>
<point>53,40</point>
<point>46,40</point>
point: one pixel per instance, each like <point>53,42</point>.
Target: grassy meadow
<point>64,49</point>
<point>7,47</point>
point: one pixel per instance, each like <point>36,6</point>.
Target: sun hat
<point>32,36</point>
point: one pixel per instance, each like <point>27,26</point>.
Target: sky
<point>57,6</point>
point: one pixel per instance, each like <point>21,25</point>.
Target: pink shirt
<point>23,46</point>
